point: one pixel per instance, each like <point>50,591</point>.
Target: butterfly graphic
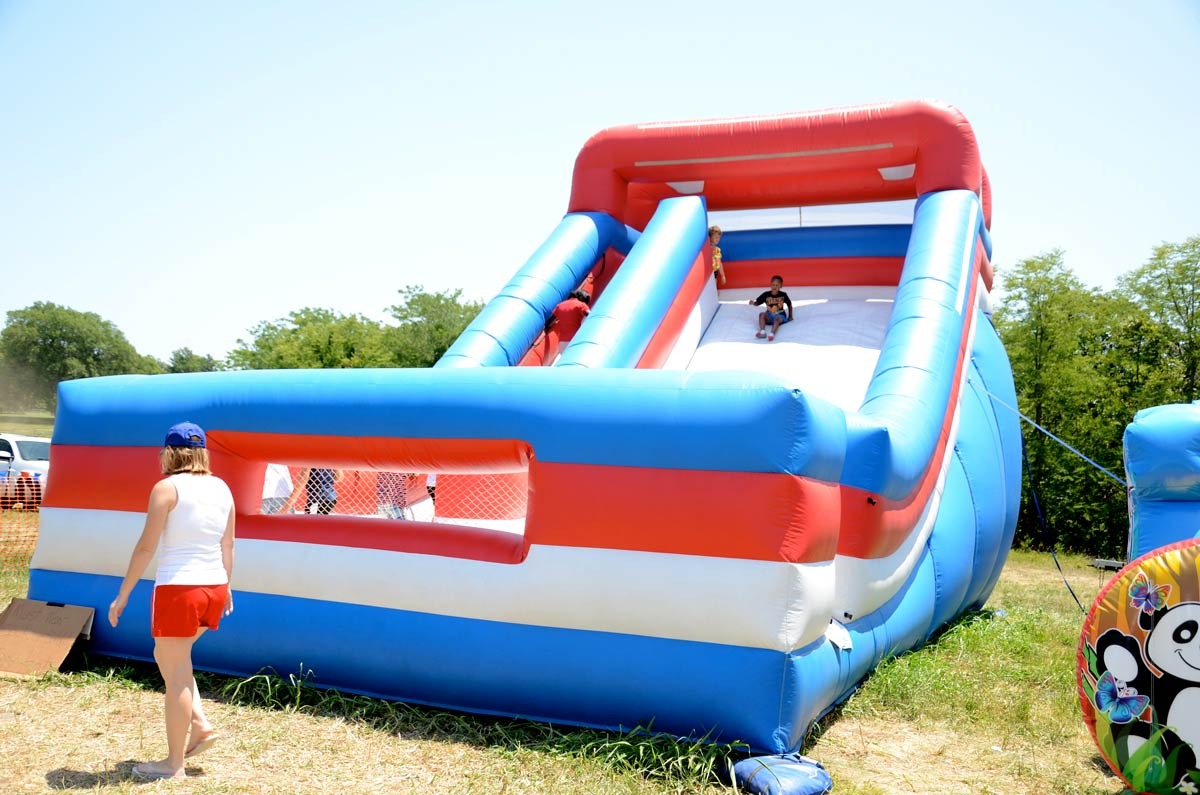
<point>1122,703</point>
<point>1146,596</point>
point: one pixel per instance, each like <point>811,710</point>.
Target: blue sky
<point>189,170</point>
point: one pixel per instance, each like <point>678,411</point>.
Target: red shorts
<point>178,611</point>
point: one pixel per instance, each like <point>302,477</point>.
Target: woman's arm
<point>227,558</point>
<point>162,499</point>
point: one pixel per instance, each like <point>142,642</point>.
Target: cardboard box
<point>35,637</point>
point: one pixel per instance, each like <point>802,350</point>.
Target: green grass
<point>27,423</point>
<point>985,663</point>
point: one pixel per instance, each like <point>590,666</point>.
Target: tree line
<point>1084,362</point>
<point>44,344</point>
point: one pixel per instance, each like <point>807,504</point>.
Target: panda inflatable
<point>1139,671</point>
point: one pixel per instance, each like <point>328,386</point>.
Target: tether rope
<point>1016,411</point>
<point>1037,505</point>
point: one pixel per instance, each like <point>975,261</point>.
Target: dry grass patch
<point>63,734</point>
<point>873,757</point>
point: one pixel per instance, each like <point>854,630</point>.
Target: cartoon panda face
<point>1174,643</point>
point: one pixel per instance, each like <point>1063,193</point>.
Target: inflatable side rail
<point>1162,463</point>
<point>650,280</point>
<point>904,418</point>
<point>508,325</point>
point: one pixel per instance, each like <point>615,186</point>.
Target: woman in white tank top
<point>190,523</point>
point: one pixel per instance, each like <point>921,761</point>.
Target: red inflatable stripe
<point>109,478</point>
<point>757,516</point>
<point>119,478</point>
<point>722,514</point>
<point>421,538</point>
<point>814,272</point>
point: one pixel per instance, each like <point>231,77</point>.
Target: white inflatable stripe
<point>750,603</point>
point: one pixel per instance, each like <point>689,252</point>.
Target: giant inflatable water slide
<point>671,523</point>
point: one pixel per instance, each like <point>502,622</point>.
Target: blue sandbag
<point>782,774</point>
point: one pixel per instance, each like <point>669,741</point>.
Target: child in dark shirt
<point>778,311</point>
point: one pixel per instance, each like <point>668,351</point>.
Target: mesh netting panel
<point>18,537</point>
<point>475,500</point>
<point>20,499</point>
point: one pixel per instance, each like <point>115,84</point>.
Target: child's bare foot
<point>152,771</point>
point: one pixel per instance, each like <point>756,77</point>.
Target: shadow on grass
<point>79,667</point>
<point>1101,765</point>
<point>65,778</point>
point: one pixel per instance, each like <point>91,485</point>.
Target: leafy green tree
<point>185,361</point>
<point>46,343</point>
<point>313,339</point>
<point>428,323</point>
<point>1168,286</point>
<point>1041,323</point>
<point>1052,325</point>
<point>18,386</point>
<point>1135,356</point>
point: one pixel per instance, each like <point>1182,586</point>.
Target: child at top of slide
<point>718,265</point>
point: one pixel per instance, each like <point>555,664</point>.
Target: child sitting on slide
<point>778,311</point>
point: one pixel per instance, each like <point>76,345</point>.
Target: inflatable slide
<point>664,521</point>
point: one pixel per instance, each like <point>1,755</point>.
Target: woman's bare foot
<point>157,770</point>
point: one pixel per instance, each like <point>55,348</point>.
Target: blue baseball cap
<point>185,434</point>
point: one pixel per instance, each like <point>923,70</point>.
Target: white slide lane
<point>828,350</point>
